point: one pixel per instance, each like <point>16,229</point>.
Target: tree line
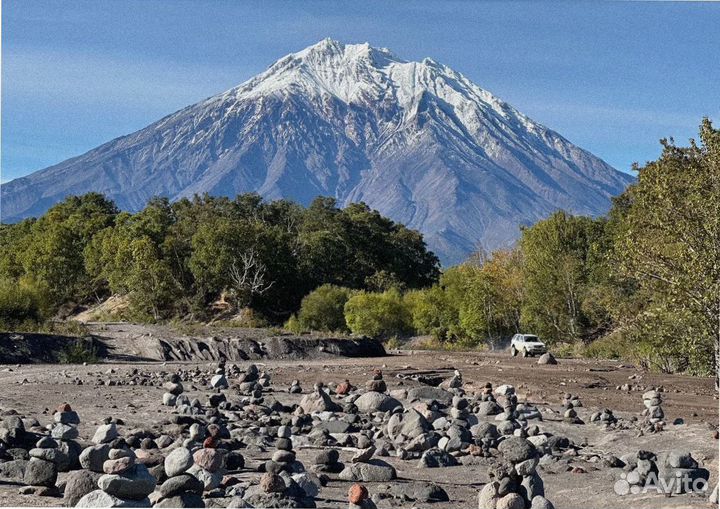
<point>641,283</point>
<point>192,258</point>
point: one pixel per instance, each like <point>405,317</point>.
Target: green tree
<point>555,255</point>
<point>670,243</point>
<point>380,315</point>
<point>323,309</point>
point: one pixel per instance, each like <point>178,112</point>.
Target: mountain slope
<point>415,140</point>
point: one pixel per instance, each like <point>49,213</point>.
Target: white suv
<point>527,345</point>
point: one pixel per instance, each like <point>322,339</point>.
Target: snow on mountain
<point>415,140</point>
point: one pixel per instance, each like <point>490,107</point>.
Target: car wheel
<point>513,351</point>
<point>525,353</point>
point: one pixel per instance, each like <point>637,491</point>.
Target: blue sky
<point>613,77</point>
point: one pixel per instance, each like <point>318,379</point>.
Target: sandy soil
<point>33,390</point>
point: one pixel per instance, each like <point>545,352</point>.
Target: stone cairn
<point>604,416</point>
<point>174,388</point>
<point>677,470</point>
<point>570,403</point>
<point>180,489</point>
<point>126,482</point>
<point>42,470</point>
<point>653,412</point>
<point>295,387</point>
<point>516,483</point>
<point>327,461</point>
<point>376,383</point>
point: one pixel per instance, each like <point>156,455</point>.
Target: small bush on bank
<point>378,315</point>
<point>322,310</point>
<point>20,305</point>
<point>78,352</point>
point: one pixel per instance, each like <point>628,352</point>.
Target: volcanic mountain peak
<point>417,141</point>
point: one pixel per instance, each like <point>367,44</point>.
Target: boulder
<point>408,425</point>
<point>181,484</point>
<point>374,471</point>
<point>430,394</point>
<point>547,358</point>
<point>178,461</point>
<point>40,473</point>
<point>78,484</point>
<point>517,449</point>
<point>318,401</point>
<point>105,434</point>
<point>135,484</point>
<point>99,498</point>
<point>376,402</point>
<point>93,457</point>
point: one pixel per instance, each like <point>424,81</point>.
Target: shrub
<point>323,309</point>
<point>431,312</point>
<point>79,351</point>
<point>20,305</point>
<point>378,314</point>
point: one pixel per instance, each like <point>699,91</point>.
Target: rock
<point>211,460</point>
<point>430,394</point>
<point>178,461</point>
<point>511,501</point>
<point>135,484</point>
<point>183,500</point>
<point>169,399</point>
<point>541,502</point>
<point>680,459</point>
<point>374,471</point>
<point>210,480</point>
<point>78,484</point>
<point>309,482</point>
<point>547,358</point>
<point>435,458</point>
<point>40,473</point>
<point>488,408</point>
<point>516,449</point>
<point>93,458</point>
<point>219,382</point>
<point>118,466</point>
<point>69,417</point>
<point>425,492</point>
<point>174,388</point>
<point>363,455</point>
<point>64,432</point>
<point>105,434</point>
<point>13,469</point>
<point>181,484</point>
<point>526,467</point>
<point>376,402</point>
<point>505,390</point>
<point>316,402</point>
<point>532,486</point>
<point>357,493</point>
<point>99,498</point>
<point>272,483</point>
<point>409,425</point>
<point>327,457</point>
<point>488,496</point>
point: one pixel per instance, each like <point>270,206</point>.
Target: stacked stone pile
<point>126,483</point>
<point>653,413</point>
<point>516,483</point>
<point>180,489</point>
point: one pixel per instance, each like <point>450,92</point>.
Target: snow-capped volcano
<point>415,140</point>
